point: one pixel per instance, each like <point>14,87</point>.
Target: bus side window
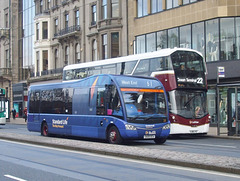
<point>58,101</point>
<point>80,73</point>
<point>94,70</point>
<point>142,68</point>
<point>156,64</point>
<point>34,101</point>
<point>101,108</point>
<point>126,68</point>
<point>109,69</point>
<point>68,95</point>
<point>46,101</point>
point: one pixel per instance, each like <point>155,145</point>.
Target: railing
<point>47,72</point>
<point>67,30</point>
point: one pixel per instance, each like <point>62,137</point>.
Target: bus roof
<point>159,53</point>
<point>73,84</point>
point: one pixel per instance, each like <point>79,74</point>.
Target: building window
<point>41,6</point>
<point>238,37</point>
<point>188,1</point>
<point>77,53</point>
<point>114,45</point>
<point>228,44</point>
<point>45,60</point>
<point>8,63</point>
<point>37,31</point>
<point>48,4</point>
<point>66,55</point>
<point>185,36</point>
<point>151,42</point>
<point>115,8</point>
<point>198,40</point>
<point>56,58</point>
<point>161,39</point>
<point>104,9</point>
<point>94,50</point>
<point>212,40</point>
<point>77,22</point>
<point>171,4</point>
<point>55,2</point>
<point>6,20</point>
<point>45,30</point>
<point>94,14</point>
<point>141,46</point>
<point>56,26</point>
<point>142,8</point>
<point>38,62</point>
<point>66,20</point>
<point>156,6</point>
<point>104,47</point>
<point>173,40</point>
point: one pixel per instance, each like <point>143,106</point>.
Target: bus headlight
<point>130,127</point>
<point>167,126</point>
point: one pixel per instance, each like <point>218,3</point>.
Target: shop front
<point>224,97</point>
<point>19,98</point>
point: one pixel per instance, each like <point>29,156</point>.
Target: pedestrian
<point>234,115</point>
<point>25,113</point>
<point>14,113</point>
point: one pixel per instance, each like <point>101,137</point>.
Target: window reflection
<point>228,46</point>
<point>204,37</point>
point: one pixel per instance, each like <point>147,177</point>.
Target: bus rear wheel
<point>114,136</point>
<point>160,141</point>
<point>44,131</point>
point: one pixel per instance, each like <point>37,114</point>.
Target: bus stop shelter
<point>233,109</point>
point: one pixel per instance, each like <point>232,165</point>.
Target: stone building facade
<point>76,31</point>
<point>10,64</point>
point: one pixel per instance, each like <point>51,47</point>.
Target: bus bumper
<point>144,133</point>
<point>184,129</point>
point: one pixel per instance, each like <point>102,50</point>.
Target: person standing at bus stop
<point>25,114</point>
<point>238,115</point>
<point>14,113</point>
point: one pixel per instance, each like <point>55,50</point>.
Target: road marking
<point>14,178</point>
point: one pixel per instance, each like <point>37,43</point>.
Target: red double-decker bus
<point>181,71</point>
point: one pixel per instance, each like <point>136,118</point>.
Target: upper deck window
<point>147,66</point>
<point>187,61</point>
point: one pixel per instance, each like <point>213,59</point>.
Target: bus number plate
<point>149,136</point>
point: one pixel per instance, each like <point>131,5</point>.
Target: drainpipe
<point>83,31</point>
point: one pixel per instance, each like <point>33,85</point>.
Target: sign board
<point>2,92</point>
<point>221,72</point>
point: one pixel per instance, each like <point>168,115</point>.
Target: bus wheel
<point>160,141</point>
<point>114,136</point>
<point>44,131</point>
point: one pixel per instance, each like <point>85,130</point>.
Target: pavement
<point>193,160</point>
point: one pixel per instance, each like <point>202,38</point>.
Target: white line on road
<point>14,178</point>
<point>131,160</point>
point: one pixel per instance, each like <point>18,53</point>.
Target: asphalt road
<point>191,144</point>
<point>24,162</point>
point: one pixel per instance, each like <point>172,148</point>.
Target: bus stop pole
<point>218,107</point>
